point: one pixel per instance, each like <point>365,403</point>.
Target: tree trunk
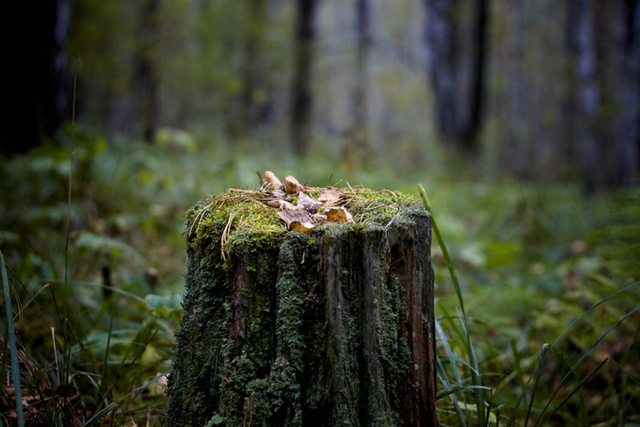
<point>604,38</point>
<point>588,95</point>
<point>41,93</point>
<point>301,101</point>
<point>356,145</point>
<point>517,152</point>
<point>255,96</point>
<point>146,72</point>
<point>456,39</point>
<point>630,138</point>
<point>250,106</point>
<point>330,327</point>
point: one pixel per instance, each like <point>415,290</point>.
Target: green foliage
<point>104,356</point>
<point>530,260</point>
<point>215,421</point>
<point>586,314</point>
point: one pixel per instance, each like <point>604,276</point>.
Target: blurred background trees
<point>456,35</point>
<point>543,90</point>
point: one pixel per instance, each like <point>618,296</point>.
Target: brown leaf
<point>297,219</point>
<point>291,185</point>
<point>301,227</point>
<point>272,179</point>
<point>319,219</point>
<point>295,215</point>
<point>339,215</point>
<point>331,196</point>
<point>282,204</point>
<point>277,194</point>
<point>308,202</point>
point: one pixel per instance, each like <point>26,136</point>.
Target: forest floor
<point>549,278</point>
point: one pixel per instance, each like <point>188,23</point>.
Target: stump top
<point>276,209</point>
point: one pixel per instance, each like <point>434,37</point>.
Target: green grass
<point>533,403</point>
<point>537,286</point>
<point>10,334</point>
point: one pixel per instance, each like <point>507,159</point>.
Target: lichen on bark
<point>329,327</point>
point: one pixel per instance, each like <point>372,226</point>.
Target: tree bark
<point>327,328</point>
<point>301,101</point>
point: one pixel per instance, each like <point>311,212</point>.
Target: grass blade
<point>15,369</point>
<point>584,355</point>
<point>444,379</point>
<point>447,347</point>
<point>627,374</point>
<point>452,390</point>
<point>443,247</point>
<point>536,374</point>
<point>105,372</point>
<point>593,307</point>
<point>452,362</point>
<point>148,384</point>
<point>498,409</point>
<point>100,414</point>
<point>477,381</point>
<point>547,347</point>
<point>576,388</point>
<point>517,362</point>
<point>114,289</point>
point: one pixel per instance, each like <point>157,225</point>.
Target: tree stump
<point>331,326</point>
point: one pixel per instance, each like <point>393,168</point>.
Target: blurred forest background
<point>541,90</point>
<point>521,118</point>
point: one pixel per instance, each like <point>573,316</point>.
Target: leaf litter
<point>288,205</point>
<point>299,209</point>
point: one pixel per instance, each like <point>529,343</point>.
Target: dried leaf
<point>272,179</point>
<point>297,219</point>
<point>291,185</point>
<point>293,215</point>
<point>331,196</point>
<point>308,202</point>
<point>304,217</point>
<point>277,194</point>
<point>281,204</point>
<point>301,227</point>
<point>319,219</point>
<point>339,215</point>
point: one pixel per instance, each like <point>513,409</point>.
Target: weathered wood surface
<point>331,327</point>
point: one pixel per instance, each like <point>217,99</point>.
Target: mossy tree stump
<point>333,326</point>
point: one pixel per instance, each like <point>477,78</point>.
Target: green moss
<point>235,215</point>
<point>232,217</point>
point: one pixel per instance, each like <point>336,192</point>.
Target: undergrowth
<point>537,321</point>
<point>587,374</point>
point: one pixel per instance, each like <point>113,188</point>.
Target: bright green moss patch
<point>238,210</point>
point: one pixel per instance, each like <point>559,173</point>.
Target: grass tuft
<point>15,369</point>
<point>460,371</point>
